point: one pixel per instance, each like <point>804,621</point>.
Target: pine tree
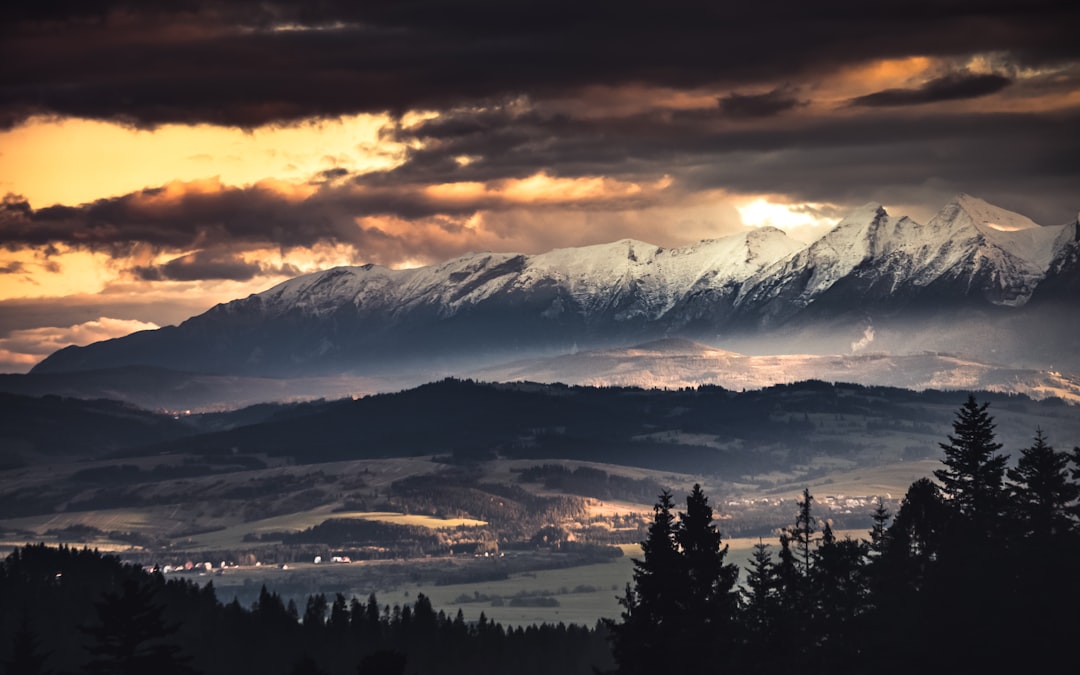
<point>679,613</point>
<point>795,584</point>
<point>760,602</point>
<point>802,534</point>
<point>709,597</point>
<point>339,617</point>
<point>880,530</point>
<point>642,641</point>
<point>916,537</point>
<point>26,657</point>
<point>1042,494</point>
<point>803,538</point>
<point>131,637</point>
<point>315,612</point>
<point>841,598</point>
<point>973,475</point>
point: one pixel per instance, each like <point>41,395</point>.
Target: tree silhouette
<point>26,656</point>
<point>841,599</point>
<point>131,636</point>
<point>710,600</point>
<point>973,475</point>
<point>651,605</point>
<point>680,611</point>
<point>1042,494</point>
<point>760,607</point>
<point>879,533</point>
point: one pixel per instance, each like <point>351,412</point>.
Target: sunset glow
<point>142,168</point>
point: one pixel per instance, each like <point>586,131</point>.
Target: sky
<point>157,158</point>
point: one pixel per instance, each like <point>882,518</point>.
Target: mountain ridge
<point>871,266</point>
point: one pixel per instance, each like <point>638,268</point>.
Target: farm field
<point>581,594</point>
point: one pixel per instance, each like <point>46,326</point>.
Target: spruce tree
<point>841,598</point>
<point>641,643</point>
<point>709,597</point>
<point>760,591</point>
<point>761,606</point>
<point>795,582</point>
<point>973,475</point>
<point>131,636</point>
<point>1042,494</point>
<point>880,529</point>
<point>679,613</point>
<point>802,533</point>
<point>918,532</point>
<point>26,656</point>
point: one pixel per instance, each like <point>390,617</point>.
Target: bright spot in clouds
<point>761,212</point>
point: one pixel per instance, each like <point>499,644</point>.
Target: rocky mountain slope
<point>971,264</point>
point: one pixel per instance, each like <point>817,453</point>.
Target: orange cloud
<point>76,161</point>
<point>541,188</point>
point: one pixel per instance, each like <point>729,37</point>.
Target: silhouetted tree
<point>26,655</point>
<point>799,588</point>
<point>802,534</point>
<point>879,532</point>
<point>641,642</point>
<point>973,475</point>
<point>841,598</point>
<point>709,600</point>
<point>917,535</point>
<point>1042,494</point>
<point>761,609</point>
<point>131,637</point>
<point>315,612</point>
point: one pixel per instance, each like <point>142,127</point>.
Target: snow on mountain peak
<point>638,279</point>
<point>1029,244</point>
<point>982,213</point>
<point>867,213</point>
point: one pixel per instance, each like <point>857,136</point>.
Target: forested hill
<point>701,430</point>
<point>707,429</point>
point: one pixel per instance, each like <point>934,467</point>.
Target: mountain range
<point>975,280</point>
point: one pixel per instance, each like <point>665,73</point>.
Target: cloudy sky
<point>159,157</point>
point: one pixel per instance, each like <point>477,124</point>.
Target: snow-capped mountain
<point>872,266</point>
<point>969,253</point>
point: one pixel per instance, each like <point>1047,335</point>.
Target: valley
<point>524,497</point>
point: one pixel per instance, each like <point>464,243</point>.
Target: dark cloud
<point>208,265</point>
<point>249,63</point>
<point>769,104</point>
<point>329,175</point>
<point>189,217</point>
<point>844,158</point>
<point>21,314</point>
<point>948,88</point>
<point>1023,161</point>
<point>14,267</point>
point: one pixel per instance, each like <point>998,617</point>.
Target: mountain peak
<point>867,213</point>
<point>971,254</point>
<point>983,214</point>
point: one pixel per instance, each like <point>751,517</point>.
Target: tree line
<point>976,572</point>
<point>80,611</point>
